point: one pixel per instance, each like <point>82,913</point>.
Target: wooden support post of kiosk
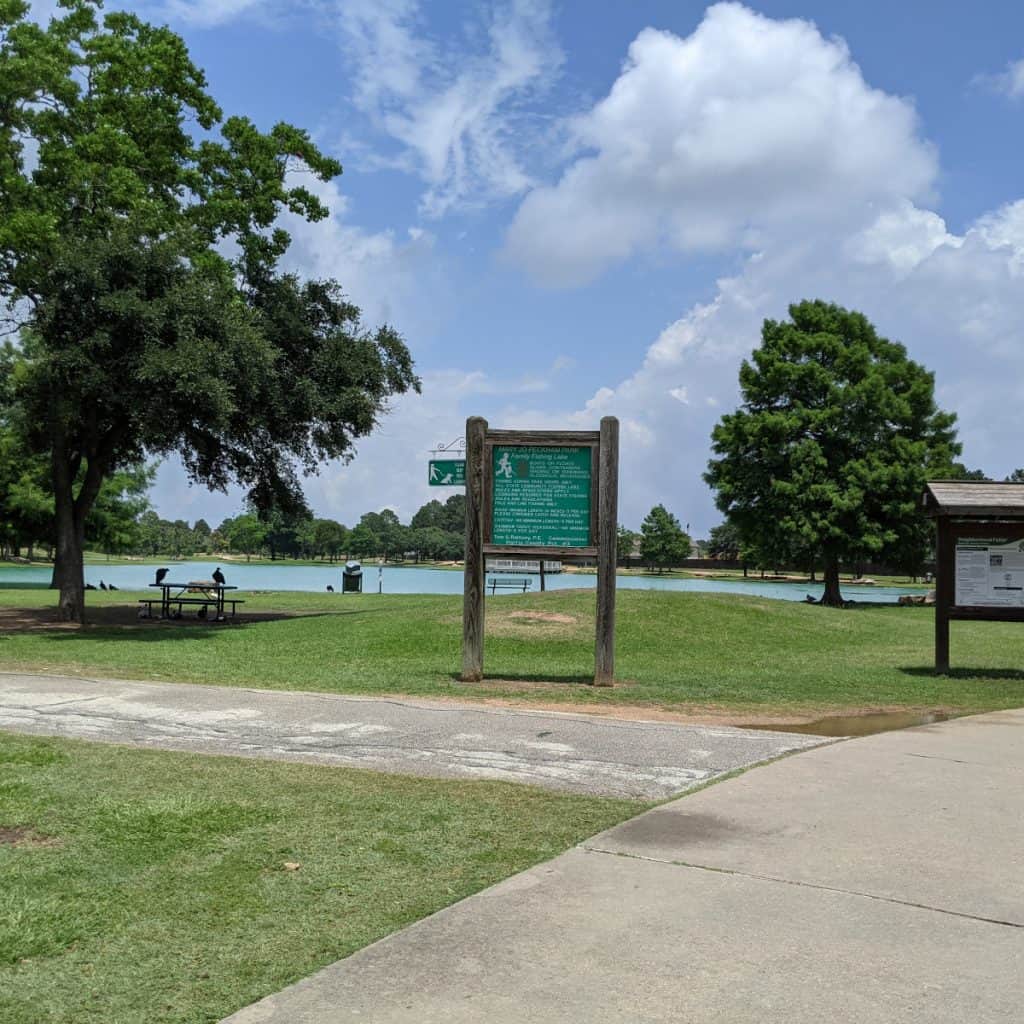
<point>473,591</point>
<point>945,585</point>
<point>607,538</point>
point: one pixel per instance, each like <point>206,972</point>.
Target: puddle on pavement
<point>856,725</point>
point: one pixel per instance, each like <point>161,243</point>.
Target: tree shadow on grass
<point>122,622</point>
<point>965,672</point>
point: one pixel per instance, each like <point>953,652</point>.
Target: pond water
<point>411,580</point>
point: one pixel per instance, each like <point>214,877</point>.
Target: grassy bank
<point>674,650</point>
<point>143,886</point>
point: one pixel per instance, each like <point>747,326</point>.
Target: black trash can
<point>352,578</point>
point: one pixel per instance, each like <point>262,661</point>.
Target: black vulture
<point>218,576</point>
<point>103,585</point>
<point>160,574</point>
<point>89,586</point>
<point>111,587</point>
<point>330,589</point>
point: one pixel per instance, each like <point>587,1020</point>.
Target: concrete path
<point>580,753</point>
<point>873,881</point>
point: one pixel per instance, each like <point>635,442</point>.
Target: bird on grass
<point>160,574</point>
<point>111,586</point>
<point>89,586</point>
<point>218,576</point>
<point>330,589</point>
<point>103,585</point>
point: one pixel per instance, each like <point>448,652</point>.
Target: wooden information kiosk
<point>979,554</point>
<point>541,494</point>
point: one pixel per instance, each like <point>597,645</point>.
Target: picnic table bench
<point>521,583</point>
<point>177,595</point>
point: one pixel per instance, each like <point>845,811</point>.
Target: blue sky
<point>579,209</point>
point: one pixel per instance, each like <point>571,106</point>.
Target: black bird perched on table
<point>103,585</point>
<point>218,576</point>
<point>160,574</point>
<point>330,589</point>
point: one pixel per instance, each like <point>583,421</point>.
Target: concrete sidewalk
<point>873,881</point>
<point>577,753</point>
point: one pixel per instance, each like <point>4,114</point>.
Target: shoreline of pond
<point>411,579</point>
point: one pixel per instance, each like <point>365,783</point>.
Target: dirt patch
<point>569,620</point>
<point>555,686</point>
<point>23,837</point>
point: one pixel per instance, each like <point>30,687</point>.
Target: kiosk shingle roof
<point>974,498</point>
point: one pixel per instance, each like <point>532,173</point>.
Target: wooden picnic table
<point>213,595</point>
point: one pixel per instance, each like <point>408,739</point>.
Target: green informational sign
<point>447,473</point>
<point>541,496</point>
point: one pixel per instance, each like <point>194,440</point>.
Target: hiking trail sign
<point>541,494</point>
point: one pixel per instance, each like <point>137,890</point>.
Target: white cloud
<point>455,112</point>
<point>902,237</point>
<point>1009,82</point>
<point>388,276</point>
<point>956,303</point>
<point>209,13</point>
<point>747,129</point>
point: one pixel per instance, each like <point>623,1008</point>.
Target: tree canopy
<point>663,542</point>
<point>828,454</point>
<point>139,335</point>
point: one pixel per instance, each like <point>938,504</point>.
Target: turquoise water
<point>392,580</point>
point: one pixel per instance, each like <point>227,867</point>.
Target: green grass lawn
<point>150,886</point>
<point>674,650</point>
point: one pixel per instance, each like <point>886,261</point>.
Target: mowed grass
<point>143,886</point>
<point>675,650</point>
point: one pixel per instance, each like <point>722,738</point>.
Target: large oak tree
<point>139,250</point>
<point>828,454</point>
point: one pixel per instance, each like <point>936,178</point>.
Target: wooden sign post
<point>979,572</point>
<point>541,494</point>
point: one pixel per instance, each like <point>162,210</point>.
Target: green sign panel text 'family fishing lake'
<point>541,496</point>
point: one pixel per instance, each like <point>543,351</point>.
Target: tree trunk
<point>68,572</point>
<point>832,597</point>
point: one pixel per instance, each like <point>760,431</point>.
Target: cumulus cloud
<point>746,129</point>
<point>455,109</point>
<point>387,274</point>
<point>956,302</point>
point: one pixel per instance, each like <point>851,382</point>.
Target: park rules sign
<point>541,496</point>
